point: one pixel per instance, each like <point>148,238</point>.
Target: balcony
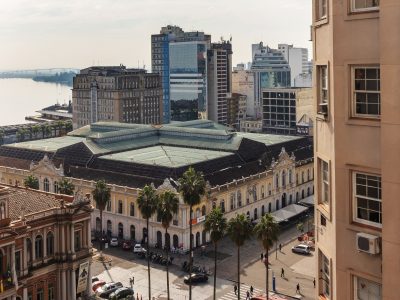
<point>5,222</point>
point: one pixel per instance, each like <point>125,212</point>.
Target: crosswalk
<point>243,293</point>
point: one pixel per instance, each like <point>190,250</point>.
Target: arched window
<point>269,189</point>
<point>277,205</point>
<point>46,185</point>
<point>2,210</point>
<point>233,206</point>
<point>297,178</point>
<point>39,247</point>
<point>132,210</point>
<point>290,199</point>
<point>308,191</point>
<point>98,224</point>
<point>120,207</point>
<point>297,196</point>
<point>56,187</point>
<point>109,228</point>
<point>302,194</point>
<point>283,178</point>
<point>255,214</point>
<point>175,241</point>
<point>239,198</point>
<point>302,177</point>
<point>133,233</point>
<point>109,206</point>
<point>277,181</point>
<point>308,175</point>
<point>120,231</point>
<point>262,211</point>
<point>248,192</point>
<point>290,176</point>
<point>197,212</point>
<point>29,250</point>
<point>222,205</point>
<point>203,210</point>
<point>159,239</point>
<point>254,193</point>
<point>262,191</point>
<point>269,207</point>
<point>248,215</point>
<point>50,244</point>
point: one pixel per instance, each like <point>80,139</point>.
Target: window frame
<point>355,285</point>
<point>353,111</point>
<point>318,15</point>
<point>325,277</point>
<point>320,88</point>
<point>354,200</point>
<point>326,205</point>
<point>353,9</point>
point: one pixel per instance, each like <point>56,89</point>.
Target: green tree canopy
<point>66,187</point>
<point>31,182</point>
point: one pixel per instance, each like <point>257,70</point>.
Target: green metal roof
<point>49,145</point>
<point>167,156</point>
<point>267,139</point>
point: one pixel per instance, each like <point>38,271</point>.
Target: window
<point>108,206</point>
<point>366,92</point>
<point>283,179</point>
<point>366,290</point>
<point>290,176</point>
<point>56,187</point>
<point>367,198</point>
<point>323,220</point>
<point>276,181</point>
<point>40,294</point>
<point>77,240</point>
<point>325,275</point>
<point>239,198</point>
<point>262,191</point>
<point>50,244</point>
<point>39,247</point>
<point>120,207</point>
<point>222,205</point>
<point>46,185</point>
<point>132,210</point>
<point>233,201</point>
<point>324,182</point>
<point>269,189</point>
<point>322,9</point>
<point>323,91</point>
<point>18,262</point>
<point>51,291</point>
<point>364,5</point>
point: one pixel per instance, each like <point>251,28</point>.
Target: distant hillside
<point>63,78</point>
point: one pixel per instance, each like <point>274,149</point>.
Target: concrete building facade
<point>116,94</point>
<point>243,83</point>
<point>297,59</point>
<point>356,87</point>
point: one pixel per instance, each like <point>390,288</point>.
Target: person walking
<point>235,289</point>
<point>262,256</point>
<point>282,273</point>
<point>298,288</point>
<point>314,283</point>
<point>251,290</point>
<point>280,247</point>
<point>247,295</point>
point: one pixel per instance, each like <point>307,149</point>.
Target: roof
<point>167,156</point>
<point>48,145</point>
<point>287,212</point>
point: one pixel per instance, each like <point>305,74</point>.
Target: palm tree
<point>46,130</point>
<point>66,187</point>
<point>35,130</point>
<point>239,230</point>
<point>21,134</point>
<point>192,187</point>
<point>68,126</point>
<point>147,202</point>
<point>31,182</point>
<point>168,205</point>
<point>216,224</point>
<point>101,195</point>
<point>267,232</point>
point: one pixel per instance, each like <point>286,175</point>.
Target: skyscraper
<point>297,59</point>
<point>356,87</point>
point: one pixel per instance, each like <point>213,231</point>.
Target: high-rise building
<point>219,77</point>
<point>116,94</point>
<point>271,70</point>
<point>188,82</point>
<point>243,83</point>
<point>356,87</point>
<point>297,59</point>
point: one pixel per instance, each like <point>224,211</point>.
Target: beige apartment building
<point>357,142</point>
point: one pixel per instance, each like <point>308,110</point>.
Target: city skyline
<point>76,34</point>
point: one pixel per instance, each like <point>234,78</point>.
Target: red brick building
<point>45,245</point>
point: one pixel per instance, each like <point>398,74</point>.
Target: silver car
<point>301,249</point>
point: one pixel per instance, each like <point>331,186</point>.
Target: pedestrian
<point>314,283</point>
<point>298,288</point>
<point>137,296</point>
<point>235,289</point>
<point>282,273</point>
<point>280,247</point>
<point>133,280</point>
<point>262,256</point>
<point>251,290</point>
<point>247,295</point>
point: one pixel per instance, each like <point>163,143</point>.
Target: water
<point>20,97</point>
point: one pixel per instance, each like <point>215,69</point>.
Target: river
<point>20,97</point>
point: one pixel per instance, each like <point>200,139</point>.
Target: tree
<point>101,195</point>
<point>216,224</point>
<point>60,125</point>
<point>300,227</point>
<point>147,202</point>
<point>2,135</point>
<point>192,187</point>
<point>267,232</point>
<point>31,182</point>
<point>66,187</point>
<point>68,126</point>
<point>21,133</point>
<point>168,205</point>
<point>239,230</point>
<point>35,130</point>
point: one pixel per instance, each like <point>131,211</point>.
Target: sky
<point>80,33</point>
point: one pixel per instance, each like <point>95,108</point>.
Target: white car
<point>301,249</point>
<point>138,249</point>
<point>114,242</point>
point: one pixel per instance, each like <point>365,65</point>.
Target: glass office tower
<point>188,80</point>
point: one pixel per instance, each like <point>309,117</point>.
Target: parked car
<point>94,279</point>
<point>138,249</point>
<point>126,245</point>
<point>301,249</point>
<point>97,284</point>
<point>114,242</point>
<point>121,293</point>
<point>196,277</point>
<point>105,291</point>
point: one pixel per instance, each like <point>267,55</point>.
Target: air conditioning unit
<point>368,243</point>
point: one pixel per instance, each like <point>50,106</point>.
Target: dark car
<point>126,245</point>
<point>121,293</point>
<point>105,291</point>
<point>196,277</point>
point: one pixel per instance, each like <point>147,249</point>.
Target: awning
<point>288,212</point>
<point>309,201</point>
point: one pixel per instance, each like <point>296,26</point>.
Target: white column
<point>73,285</point>
<point>72,242</point>
<point>25,294</point>
<point>63,286</point>
<point>62,249</point>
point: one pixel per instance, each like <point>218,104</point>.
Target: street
<point>298,270</point>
